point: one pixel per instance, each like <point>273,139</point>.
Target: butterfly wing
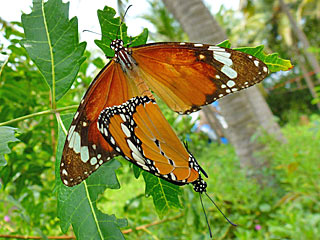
<point>85,148</point>
<point>187,75</point>
<point>139,132</point>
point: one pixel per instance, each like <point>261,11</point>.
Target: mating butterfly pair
<point>185,76</point>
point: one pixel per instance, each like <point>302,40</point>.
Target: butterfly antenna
<point>97,33</point>
<point>121,20</point>
<point>204,211</point>
<point>220,210</point>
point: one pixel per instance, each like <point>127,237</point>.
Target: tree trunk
<point>307,78</point>
<point>245,111</point>
<point>302,38</point>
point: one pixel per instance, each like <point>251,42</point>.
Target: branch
<point>34,237</point>
<point>126,231</point>
<point>51,111</point>
<point>144,227</point>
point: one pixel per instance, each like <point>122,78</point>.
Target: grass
<point>286,209</point>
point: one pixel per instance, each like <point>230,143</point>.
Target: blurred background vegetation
<point>285,205</point>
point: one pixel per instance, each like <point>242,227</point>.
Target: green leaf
<point>136,171</point>
<point>6,136</point>
<point>52,43</point>
<point>77,205</point>
<point>165,194</point>
<point>226,43</point>
<point>110,30</point>
<point>273,61</point>
<point>3,62</point>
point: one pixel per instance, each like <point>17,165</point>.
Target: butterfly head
<point>117,45</point>
<point>199,185</point>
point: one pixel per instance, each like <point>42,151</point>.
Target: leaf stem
<point>46,112</point>
<point>51,57</point>
<point>61,123</point>
<point>130,230</point>
<point>92,209</point>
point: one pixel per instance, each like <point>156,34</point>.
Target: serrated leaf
<point>165,194</point>
<point>52,42</point>
<point>273,61</point>
<point>136,171</point>
<point>77,205</point>
<point>111,29</point>
<point>226,43</point>
<point>6,136</point>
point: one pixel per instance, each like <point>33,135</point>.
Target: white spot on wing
<point>77,142</point>
<point>222,59</point>
<point>256,62</point>
<point>65,181</point>
<point>231,73</point>
<point>71,132</point>
<point>76,115</point>
<point>71,142</point>
<point>64,172</point>
<point>123,117</point>
<point>215,48</point>
<point>198,45</point>
<point>230,83</point>
<point>125,130</point>
<point>84,153</point>
<point>93,161</point>
<point>173,177</point>
<point>265,69</point>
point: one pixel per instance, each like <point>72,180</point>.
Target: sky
<point>86,11</point>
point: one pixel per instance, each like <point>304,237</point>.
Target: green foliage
<point>6,136</point>
<point>77,205</point>
<point>290,110</point>
<point>286,209</point>
<point>53,45</point>
<point>273,61</point>
<point>165,195</point>
<point>168,29</point>
<point>111,29</point>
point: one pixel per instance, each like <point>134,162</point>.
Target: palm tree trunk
<point>246,111</point>
<point>302,38</point>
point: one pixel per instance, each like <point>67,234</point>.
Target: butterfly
<point>186,76</point>
<point>139,132</point>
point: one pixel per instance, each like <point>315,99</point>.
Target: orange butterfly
<point>185,76</point>
<point>139,132</point>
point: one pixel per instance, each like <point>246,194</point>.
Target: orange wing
<point>139,132</point>
<point>85,148</point>
<point>189,75</point>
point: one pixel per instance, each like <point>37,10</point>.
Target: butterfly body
<point>186,76</point>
